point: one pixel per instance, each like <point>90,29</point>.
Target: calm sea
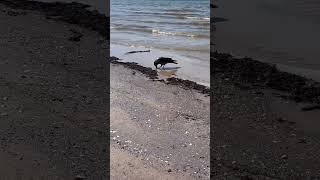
<point>181,27</point>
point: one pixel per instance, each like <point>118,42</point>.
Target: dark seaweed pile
<point>247,70</point>
<point>73,13</point>
<point>153,74</point>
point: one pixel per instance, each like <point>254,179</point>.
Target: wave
<point>159,32</point>
<point>180,24</point>
<point>198,18</point>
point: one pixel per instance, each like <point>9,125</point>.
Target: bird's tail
<point>175,62</point>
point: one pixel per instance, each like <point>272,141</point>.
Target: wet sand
<point>282,32</point>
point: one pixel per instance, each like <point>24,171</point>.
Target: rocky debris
<point>260,74</point>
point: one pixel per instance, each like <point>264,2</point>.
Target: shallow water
<point>171,28</point>
<point>184,69</point>
<point>284,32</point>
<point>180,25</point>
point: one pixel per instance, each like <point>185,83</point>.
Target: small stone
<point>284,157</point>
<point>4,114</point>
<point>5,98</point>
<point>169,170</point>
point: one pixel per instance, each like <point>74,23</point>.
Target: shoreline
<point>252,138</point>
<point>261,74</point>
<point>72,12</point>
<point>153,75</point>
<point>188,67</point>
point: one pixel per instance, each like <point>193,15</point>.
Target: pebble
<point>284,157</point>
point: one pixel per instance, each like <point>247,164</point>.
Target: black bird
<point>163,61</point>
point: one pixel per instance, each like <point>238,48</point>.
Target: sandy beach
<point>54,107</point>
<point>55,113</point>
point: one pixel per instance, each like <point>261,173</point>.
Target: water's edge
<point>265,75</point>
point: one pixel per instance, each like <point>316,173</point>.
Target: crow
<point>163,61</point>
